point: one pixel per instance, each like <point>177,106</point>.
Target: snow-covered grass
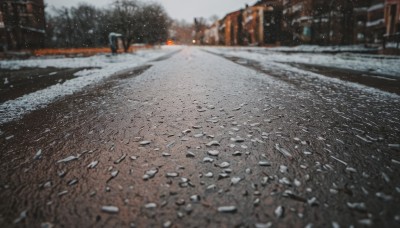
<point>379,64</point>
<point>324,49</point>
<point>105,65</point>
<point>277,61</point>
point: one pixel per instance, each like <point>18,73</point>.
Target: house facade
<point>22,24</point>
<point>321,22</point>
<point>392,17</point>
<point>376,21</point>
<point>259,24</point>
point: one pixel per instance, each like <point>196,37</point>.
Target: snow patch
<point>109,65</point>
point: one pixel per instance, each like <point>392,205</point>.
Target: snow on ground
<point>101,60</point>
<point>379,64</point>
<point>278,62</point>
<point>324,49</point>
<point>106,66</point>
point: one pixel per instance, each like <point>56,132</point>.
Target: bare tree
<point>74,27</point>
<point>87,26</point>
<point>156,24</point>
<point>147,23</point>
<point>124,18</point>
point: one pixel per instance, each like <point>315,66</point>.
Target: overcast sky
<point>177,9</point>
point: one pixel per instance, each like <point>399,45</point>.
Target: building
<point>392,17</point>
<point>321,22</point>
<point>376,21</point>
<point>269,20</point>
<point>259,24</point>
<point>22,24</point>
<point>297,21</point>
<point>233,28</point>
<point>360,19</point>
<point>211,34</point>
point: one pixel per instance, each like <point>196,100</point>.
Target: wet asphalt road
<point>197,140</point>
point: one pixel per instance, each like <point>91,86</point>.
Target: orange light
<point>170,42</point>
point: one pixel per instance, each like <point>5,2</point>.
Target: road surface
<point>197,140</point>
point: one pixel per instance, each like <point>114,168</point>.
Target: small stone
<point>172,174</point>
<point>285,180</point>
<point>351,170</point>
<point>150,174</point>
<point>150,206</point>
<point>180,202</point>
<point>333,191</point>
<point>72,182</point>
<point>167,224</point>
<point>209,174</point>
<point>228,170</point>
<point>114,173</point>
<point>195,198</point>
<point>47,184</point>
<point>110,209</point>
<point>227,209</point>
<point>213,143</point>
<point>385,177</point>
<point>335,225</point>
<point>46,225</point>
<point>365,222</point>
<point>312,202</point>
<point>263,225</point>
<point>235,180</point>
<point>180,214</point>
<point>383,196</point>
<point>237,140</point>
<point>208,159</point>
<point>264,163</point>
<point>190,154</point>
<point>279,212</point>
<point>213,152</point>
<point>38,155</point>
<point>224,165</point>
<point>357,206</point>
<point>213,186</point>
<point>67,159</point>
<point>62,193</point>
<point>120,159</point>
<point>394,145</point>
<point>143,143</point>
<point>21,217</point>
<point>237,153</point>
<point>93,164</point>
<point>283,169</point>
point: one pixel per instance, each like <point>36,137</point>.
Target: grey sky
<point>177,9</point>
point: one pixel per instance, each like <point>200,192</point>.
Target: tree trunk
<point>126,42</point>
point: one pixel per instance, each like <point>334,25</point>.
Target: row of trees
<point>88,26</point>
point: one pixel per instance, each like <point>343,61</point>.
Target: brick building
<point>392,17</point>
<point>22,24</point>
<point>259,24</point>
<point>322,22</point>
<point>376,21</point>
<point>232,30</point>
